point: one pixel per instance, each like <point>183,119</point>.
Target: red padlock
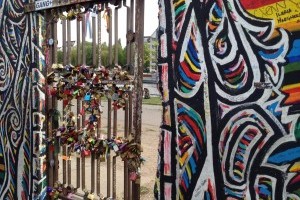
<point>53,91</point>
<point>85,153</point>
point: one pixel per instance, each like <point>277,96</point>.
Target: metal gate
<point>93,112</point>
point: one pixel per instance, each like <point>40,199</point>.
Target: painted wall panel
<point>230,82</point>
<point>21,132</point>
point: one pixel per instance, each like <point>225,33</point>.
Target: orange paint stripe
<point>293,98</point>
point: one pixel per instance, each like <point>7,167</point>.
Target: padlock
<point>87,97</point>
<point>85,153</point>
<point>91,196</point>
<point>53,91</point>
<point>133,176</point>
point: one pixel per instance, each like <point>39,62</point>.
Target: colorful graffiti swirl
<point>19,160</point>
<point>230,84</point>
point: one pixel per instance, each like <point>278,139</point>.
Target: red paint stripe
<point>189,73</point>
<point>195,128</point>
<point>294,90</point>
<point>236,72</point>
<point>295,180</point>
<point>251,4</point>
<point>183,184</point>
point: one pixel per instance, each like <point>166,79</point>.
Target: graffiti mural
<point>21,80</point>
<point>230,85</point>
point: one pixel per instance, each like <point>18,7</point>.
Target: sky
<point>151,23</point>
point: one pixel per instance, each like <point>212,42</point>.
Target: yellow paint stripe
<point>295,167</point>
<point>293,86</point>
<point>238,172</point>
<point>194,68</point>
<point>282,6</point>
<point>214,19</point>
<point>183,158</point>
<point>188,169</point>
<point>182,129</point>
<point>178,2</point>
<point>180,195</point>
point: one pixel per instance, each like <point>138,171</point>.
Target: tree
<point>150,54</point>
<point>89,54</point>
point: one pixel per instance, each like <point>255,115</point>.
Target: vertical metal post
<point>130,132</point>
<point>69,61</point>
<point>108,157</point>
<point>131,46</point>
<point>99,119</point>
<point>94,41</point>
<point>128,24</point>
<point>138,81</point>
<point>83,39</point>
<point>54,105</point>
<point>94,65</point>
<point>126,125</point>
<point>117,32</point>
<point>114,157</point>
<point>110,36</point>
<point>64,63</point>
<point>78,102</point>
<point>83,117</point>
<point>49,125</point>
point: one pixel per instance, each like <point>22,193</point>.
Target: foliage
<point>89,54</point>
<point>149,53</point>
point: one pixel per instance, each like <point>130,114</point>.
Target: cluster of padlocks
<point>90,85</point>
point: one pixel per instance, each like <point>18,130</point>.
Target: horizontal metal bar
<point>49,4</point>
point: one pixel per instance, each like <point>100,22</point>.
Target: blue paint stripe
<point>195,61</point>
<point>264,190</point>
<point>239,157</point>
<point>207,195</point>
<point>192,51</point>
<point>295,51</point>
<point>272,55</point>
<point>193,164</point>
<point>247,137</point>
<point>186,179</point>
<point>284,157</point>
<point>218,11</point>
<point>233,193</point>
<point>185,77</point>
<point>293,59</point>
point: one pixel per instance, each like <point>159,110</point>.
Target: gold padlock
<point>91,196</point>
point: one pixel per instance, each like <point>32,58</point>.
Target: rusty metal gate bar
<point>138,83</point>
<point>78,103</point>
<point>69,63</point>
<point>132,117</point>
<point>94,65</point>
<point>100,103</point>
<point>49,119</point>
<point>64,151</point>
<point>83,31</point>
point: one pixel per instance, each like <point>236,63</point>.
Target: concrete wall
<point>230,81</point>
<point>22,167</point>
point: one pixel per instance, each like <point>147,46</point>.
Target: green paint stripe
<point>178,10</point>
<point>292,67</point>
<point>297,130</point>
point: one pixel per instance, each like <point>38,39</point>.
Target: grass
<point>152,101</point>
